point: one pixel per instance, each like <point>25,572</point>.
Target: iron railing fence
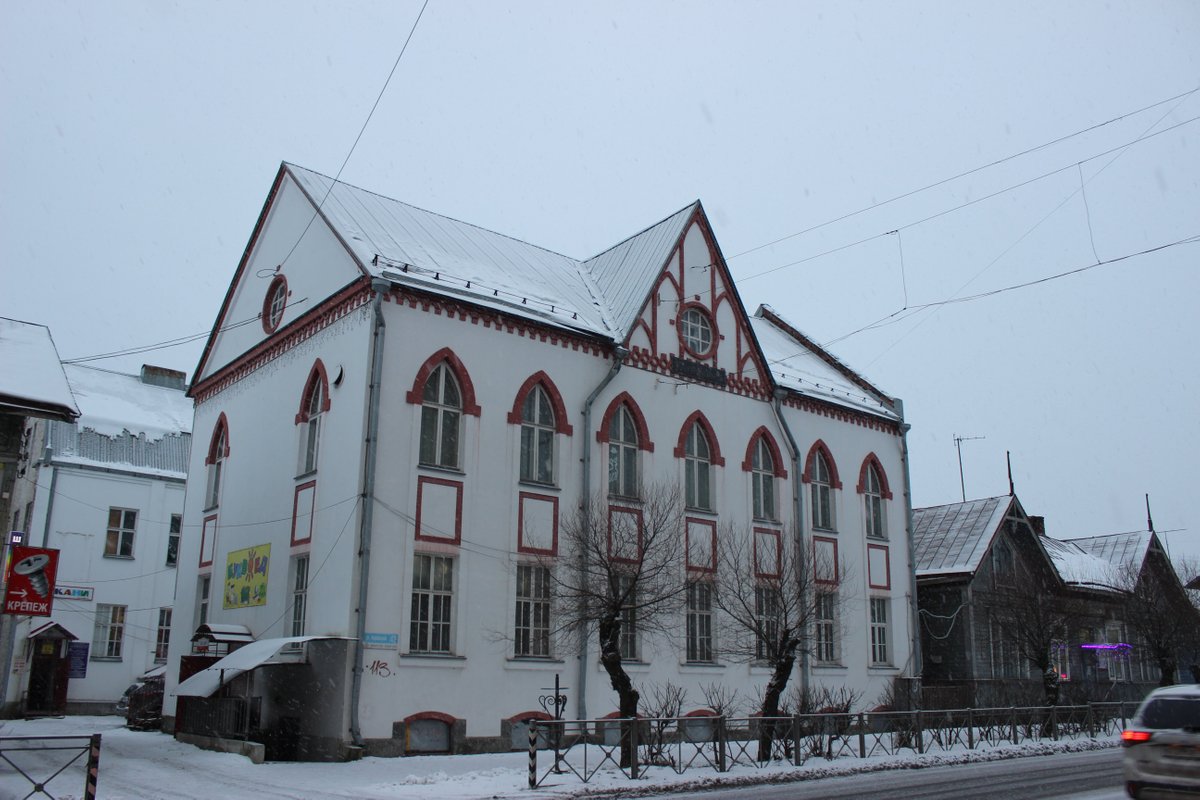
<point>584,747</point>
<point>36,766</point>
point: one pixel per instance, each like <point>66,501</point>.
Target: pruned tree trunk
<point>771,695</point>
<point>627,696</point>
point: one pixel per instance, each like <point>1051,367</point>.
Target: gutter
<point>619,354</point>
<point>798,524</point>
<point>914,616</point>
<point>378,287</point>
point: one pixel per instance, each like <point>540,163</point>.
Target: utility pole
<point>958,440</point>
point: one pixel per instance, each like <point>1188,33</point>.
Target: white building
<point>106,491</point>
<point>396,411</point>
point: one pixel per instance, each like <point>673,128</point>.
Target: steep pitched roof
<point>1080,568</point>
<point>952,539</point>
<point>1118,549</point>
<point>32,382</point>
<point>800,364</point>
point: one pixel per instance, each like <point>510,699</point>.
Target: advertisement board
<point>29,582</point>
<point>246,576</point>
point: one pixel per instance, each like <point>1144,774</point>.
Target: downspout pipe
<point>915,619</point>
<point>379,288</point>
<point>798,524</point>
<point>619,354</point>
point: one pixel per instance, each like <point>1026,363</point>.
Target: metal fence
<point>584,747</point>
<point>48,766</point>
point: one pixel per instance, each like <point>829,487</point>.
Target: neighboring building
<point>398,413</point>
<point>32,386</point>
<point>106,491</point>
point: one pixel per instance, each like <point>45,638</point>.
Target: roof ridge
<point>649,227</point>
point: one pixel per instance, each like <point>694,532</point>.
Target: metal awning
<point>51,630</point>
<point>216,632</point>
<point>244,659</point>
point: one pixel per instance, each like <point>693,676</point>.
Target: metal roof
<point>1118,549</point>
<point>952,539</point>
<point>1079,567</point>
<point>32,382</point>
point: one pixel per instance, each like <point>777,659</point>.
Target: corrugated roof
<point>953,539</point>
<point>1079,567</point>
<point>1118,549</point>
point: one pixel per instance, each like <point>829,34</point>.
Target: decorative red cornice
<point>222,426</point>
<point>639,421</point>
<point>661,364</point>
<point>299,331</point>
<point>842,414</point>
<point>819,446</point>
<point>780,471</point>
<point>873,460</point>
<point>540,378</point>
<point>316,378</point>
<point>416,395</point>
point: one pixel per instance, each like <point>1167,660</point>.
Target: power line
<point>943,181</point>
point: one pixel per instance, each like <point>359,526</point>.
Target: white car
<point>1162,742</point>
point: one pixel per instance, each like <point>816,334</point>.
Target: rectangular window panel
<point>299,595</point>
<point>109,635</point>
<point>766,618</point>
<point>879,631</point>
<point>432,601</point>
<point>532,632</point>
<point>429,438</point>
<point>826,627</point>
<point>202,602</point>
<point>629,620</point>
<point>162,639</point>
<point>699,622</point>
<point>449,443</point>
<point>822,504</point>
<point>173,539</point>
<point>118,541</point>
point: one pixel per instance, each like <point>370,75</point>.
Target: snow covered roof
<point>111,403</point>
<point>1078,567</point>
<point>952,539</point>
<point>800,364</point>
<point>1122,550</point>
<point>244,659</point>
<point>32,381</point>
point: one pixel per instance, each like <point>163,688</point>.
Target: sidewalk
<point>138,765</point>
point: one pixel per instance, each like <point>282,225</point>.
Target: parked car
<point>1162,742</point>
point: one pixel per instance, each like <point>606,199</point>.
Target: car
<point>1162,743</point>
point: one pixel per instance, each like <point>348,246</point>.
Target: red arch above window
<point>873,460</point>
<point>416,395</point>
<point>820,447</point>
<point>272,311</point>
<point>317,378</point>
<point>776,455</point>
<point>626,399</point>
<point>697,418</point>
<point>435,715</point>
<point>222,427</point>
<point>561,425</point>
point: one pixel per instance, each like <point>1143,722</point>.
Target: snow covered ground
<point>138,765</point>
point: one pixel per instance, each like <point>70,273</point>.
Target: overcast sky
<point>139,140</point>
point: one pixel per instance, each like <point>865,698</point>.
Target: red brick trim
<point>456,537</point>
<point>221,426</point>
<point>317,377</point>
<point>819,446</point>
<point>267,326</point>
<point>697,418</point>
<point>205,531</point>
<point>639,421</point>
<point>816,572</point>
<point>778,536</point>
<point>687,532</point>
<point>711,354</point>
<point>521,546</point>
<point>636,512</point>
<point>434,715</point>
<point>416,395</point>
<point>842,414</point>
<point>887,567</point>
<point>312,512</point>
<point>780,470</point>
<point>540,378</point>
<point>526,716</point>
<point>873,460</point>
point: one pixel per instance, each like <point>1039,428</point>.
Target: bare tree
<point>622,578</point>
<point>771,597</point>
<point>1157,608</point>
<point>1035,615</point>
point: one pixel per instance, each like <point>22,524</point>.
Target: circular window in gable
<point>274,304</point>
<point>696,331</point>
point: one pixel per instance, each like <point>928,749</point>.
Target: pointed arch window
<point>313,405</point>
<point>762,473</point>
<point>622,454</point>
<point>441,419</point>
<point>822,493</point>
<point>697,469</point>
<point>537,437</point>
<point>873,501</point>
<point>218,451</point>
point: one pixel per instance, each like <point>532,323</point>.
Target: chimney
<point>161,376</point>
<point>1038,524</point>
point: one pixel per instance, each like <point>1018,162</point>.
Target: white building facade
<point>107,492</point>
<point>397,413</point>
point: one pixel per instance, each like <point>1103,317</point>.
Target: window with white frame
<point>204,588</point>
<point>122,525</point>
<point>696,331</point>
<point>822,494</point>
<point>432,604</point>
<point>441,419</point>
<point>310,426</point>
<point>880,631</point>
<point>697,470</point>
<point>766,619</point>
<point>299,595</point>
<point>173,534</point>
<point>700,621</point>
<point>212,491</point>
<point>109,636</point>
<point>532,633</point>
<point>876,522</point>
<point>629,618</point>
<point>622,454</point>
<point>162,636</point>
<point>762,475</point>
<point>537,437</point>
<point>825,622</point>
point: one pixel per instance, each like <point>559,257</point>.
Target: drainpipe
<point>378,287</point>
<point>619,354</point>
<point>49,497</point>
<point>914,620</point>
<point>798,524</point>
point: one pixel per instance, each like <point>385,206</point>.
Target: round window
<point>695,330</point>
<point>274,304</point>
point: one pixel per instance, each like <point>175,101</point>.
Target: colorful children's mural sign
<point>246,576</point>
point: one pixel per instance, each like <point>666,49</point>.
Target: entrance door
<point>47,678</point>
